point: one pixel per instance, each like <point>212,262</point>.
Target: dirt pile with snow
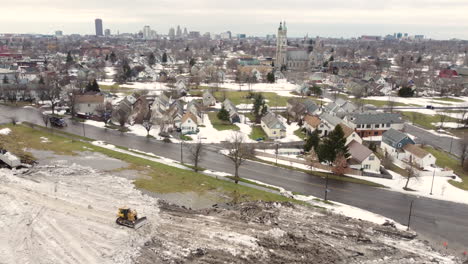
<point>278,233</point>
<point>65,213</point>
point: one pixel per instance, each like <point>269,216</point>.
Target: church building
<point>289,58</point>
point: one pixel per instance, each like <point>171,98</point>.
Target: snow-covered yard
<point>209,134</point>
<point>442,189</point>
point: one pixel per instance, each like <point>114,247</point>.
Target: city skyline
<point>437,19</point>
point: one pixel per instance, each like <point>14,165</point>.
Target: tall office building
<point>171,33</point>
<point>146,32</point>
<point>179,32</point>
<point>98,25</point>
<point>107,32</point>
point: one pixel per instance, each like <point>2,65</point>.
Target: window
<point>371,157</point>
<point>376,133</point>
<point>388,124</point>
<point>377,126</point>
<point>368,126</point>
<point>89,105</point>
<point>366,166</point>
<point>274,132</point>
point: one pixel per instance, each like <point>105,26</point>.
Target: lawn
<point>220,124</point>
<point>116,89</point>
<point>257,132</point>
<point>158,178</point>
<point>300,133</point>
<point>424,120</point>
<point>240,97</point>
<point>449,99</point>
<point>445,160</point>
<point>380,103</point>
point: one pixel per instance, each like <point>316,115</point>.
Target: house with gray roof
<point>327,123</point>
<point>370,124</point>
<point>208,99</point>
<point>340,108</point>
<point>234,116</point>
<point>297,108</point>
<point>362,158</point>
<point>393,142</point>
<point>272,126</point>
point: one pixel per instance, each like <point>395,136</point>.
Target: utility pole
<point>276,152</point>
<point>326,188</point>
<point>181,152</point>
<point>84,133</point>
<point>451,142</point>
<point>409,217</point>
<point>432,184</point>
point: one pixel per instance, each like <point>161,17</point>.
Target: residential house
<point>374,123</point>
<point>297,109</point>
<point>393,142</point>
<point>311,123</point>
<point>124,109</point>
<point>340,108</point>
<point>362,158</point>
<point>350,134</point>
<point>208,99</point>
<point>234,116</point>
<point>418,156</point>
<point>181,88</point>
<point>87,103</point>
<point>188,124</point>
<point>327,124</point>
<point>195,107</point>
<point>272,126</point>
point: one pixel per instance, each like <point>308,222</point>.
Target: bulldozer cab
<point>129,218</point>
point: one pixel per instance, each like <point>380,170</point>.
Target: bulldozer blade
<point>140,222</point>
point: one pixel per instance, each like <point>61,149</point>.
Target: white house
<point>188,124</point>
<point>363,158</point>
<point>273,127</point>
<point>87,103</point>
<point>350,134</point>
<point>418,156</point>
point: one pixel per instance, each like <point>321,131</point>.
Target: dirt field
<point>65,213</point>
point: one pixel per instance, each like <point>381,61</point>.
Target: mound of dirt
<point>278,233</point>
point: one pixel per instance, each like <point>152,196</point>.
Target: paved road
<point>434,219</point>
<point>449,144</point>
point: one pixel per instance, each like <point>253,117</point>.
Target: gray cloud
<point>437,18</point>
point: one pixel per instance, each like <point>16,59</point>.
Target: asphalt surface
<point>437,220</point>
<point>448,144</point>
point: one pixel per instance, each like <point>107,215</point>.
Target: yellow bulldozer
<point>128,217</point>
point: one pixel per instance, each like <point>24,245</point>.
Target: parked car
<point>57,121</point>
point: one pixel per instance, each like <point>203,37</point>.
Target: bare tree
<point>104,111</point>
<point>147,125</point>
<point>45,119</point>
<point>391,104</point>
<point>196,153</point>
<point>410,173</point>
<point>238,152</point>
<point>122,118</point>
<point>339,165</point>
<point>442,118</point>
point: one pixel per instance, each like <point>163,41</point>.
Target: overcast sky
<point>438,19</point>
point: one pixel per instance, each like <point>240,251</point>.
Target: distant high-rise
<point>107,32</point>
<point>185,32</point>
<point>146,32</point>
<point>58,33</point>
<point>178,32</point>
<point>171,33</point>
<point>98,25</point>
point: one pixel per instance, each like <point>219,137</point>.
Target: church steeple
<point>281,26</point>
<point>284,25</point>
